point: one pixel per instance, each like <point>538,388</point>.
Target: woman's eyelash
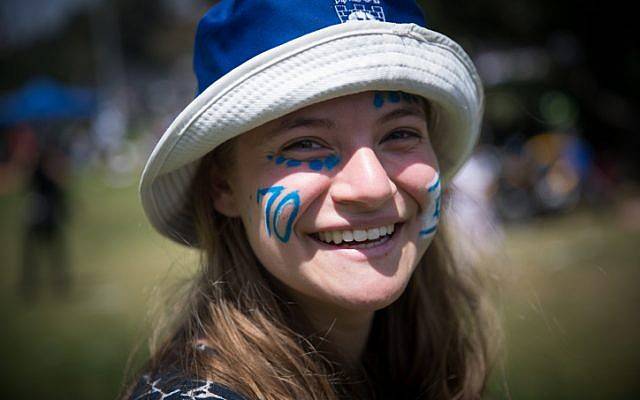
<point>304,144</point>
<point>402,134</point>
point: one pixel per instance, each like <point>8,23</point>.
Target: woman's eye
<point>402,134</point>
<point>304,144</point>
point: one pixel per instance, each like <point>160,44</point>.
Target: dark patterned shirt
<point>171,387</point>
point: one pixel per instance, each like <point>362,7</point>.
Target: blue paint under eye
<point>331,161</point>
<point>316,165</point>
<point>272,219</point>
<point>378,99</point>
<point>394,97</point>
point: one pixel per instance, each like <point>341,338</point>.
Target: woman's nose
<point>362,181</point>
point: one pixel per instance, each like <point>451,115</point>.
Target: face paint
<point>379,98</point>
<point>316,164</point>
<point>431,215</point>
<point>274,216</point>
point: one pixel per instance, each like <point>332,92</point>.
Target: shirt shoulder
<point>174,387</point>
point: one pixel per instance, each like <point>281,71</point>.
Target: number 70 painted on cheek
<point>273,216</point>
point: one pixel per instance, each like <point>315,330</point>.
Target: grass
<point>77,348</point>
<point>570,308</point>
<point>568,298</point>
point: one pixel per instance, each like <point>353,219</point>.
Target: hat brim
<point>335,61</point>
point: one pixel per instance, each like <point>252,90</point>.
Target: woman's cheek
<point>430,216</point>
<point>422,183</point>
<point>279,206</point>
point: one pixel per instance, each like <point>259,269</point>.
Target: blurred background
<point>551,196</point>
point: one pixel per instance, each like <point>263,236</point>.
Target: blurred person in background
<point>47,211</point>
<point>312,173</point>
<point>548,173</point>
<point>561,166</point>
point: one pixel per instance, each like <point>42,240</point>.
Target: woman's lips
<point>359,249</point>
<point>354,236</point>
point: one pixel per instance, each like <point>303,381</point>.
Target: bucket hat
<point>258,60</point>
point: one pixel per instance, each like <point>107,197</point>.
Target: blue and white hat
<point>258,60</point>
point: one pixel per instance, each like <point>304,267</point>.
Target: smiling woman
<point>313,185</point>
<point>382,182</point>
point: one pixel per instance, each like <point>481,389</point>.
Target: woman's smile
<point>359,244</point>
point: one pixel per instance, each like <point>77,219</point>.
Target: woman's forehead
<point>378,107</point>
<point>380,101</point>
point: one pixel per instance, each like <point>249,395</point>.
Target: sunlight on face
<point>339,199</point>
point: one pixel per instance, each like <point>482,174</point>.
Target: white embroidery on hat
<point>359,10</point>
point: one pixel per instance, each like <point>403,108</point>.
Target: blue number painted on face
<point>272,218</point>
<point>431,215</point>
<point>294,199</point>
<point>275,192</point>
<point>317,164</point>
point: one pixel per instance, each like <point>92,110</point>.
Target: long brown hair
<point>238,328</point>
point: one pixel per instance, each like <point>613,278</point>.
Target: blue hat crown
<point>234,31</point>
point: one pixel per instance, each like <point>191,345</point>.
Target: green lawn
<point>570,303</point>
<point>77,348</point>
<point>568,297</point>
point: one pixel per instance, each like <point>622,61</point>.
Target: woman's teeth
<point>357,235</point>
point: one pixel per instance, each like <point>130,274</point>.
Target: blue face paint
<point>407,97</point>
<point>331,161</point>
<point>272,218</point>
<point>292,200</point>
<point>379,98</point>
<point>317,164</point>
<point>431,215</point>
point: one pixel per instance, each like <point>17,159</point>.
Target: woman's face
<point>340,199</point>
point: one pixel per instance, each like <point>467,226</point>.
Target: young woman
<point>311,172</point>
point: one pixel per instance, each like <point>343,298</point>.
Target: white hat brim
<point>335,61</point>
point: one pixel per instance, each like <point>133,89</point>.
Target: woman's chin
<point>368,297</point>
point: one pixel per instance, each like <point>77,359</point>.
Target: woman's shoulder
<point>171,386</point>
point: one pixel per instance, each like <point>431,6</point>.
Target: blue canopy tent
<point>45,100</point>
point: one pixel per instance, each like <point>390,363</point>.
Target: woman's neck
<point>347,330</point>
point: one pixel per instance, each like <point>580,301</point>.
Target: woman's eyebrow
<point>402,112</point>
<point>288,124</point>
<point>311,122</point>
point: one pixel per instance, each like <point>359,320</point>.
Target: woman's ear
<point>223,197</point>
